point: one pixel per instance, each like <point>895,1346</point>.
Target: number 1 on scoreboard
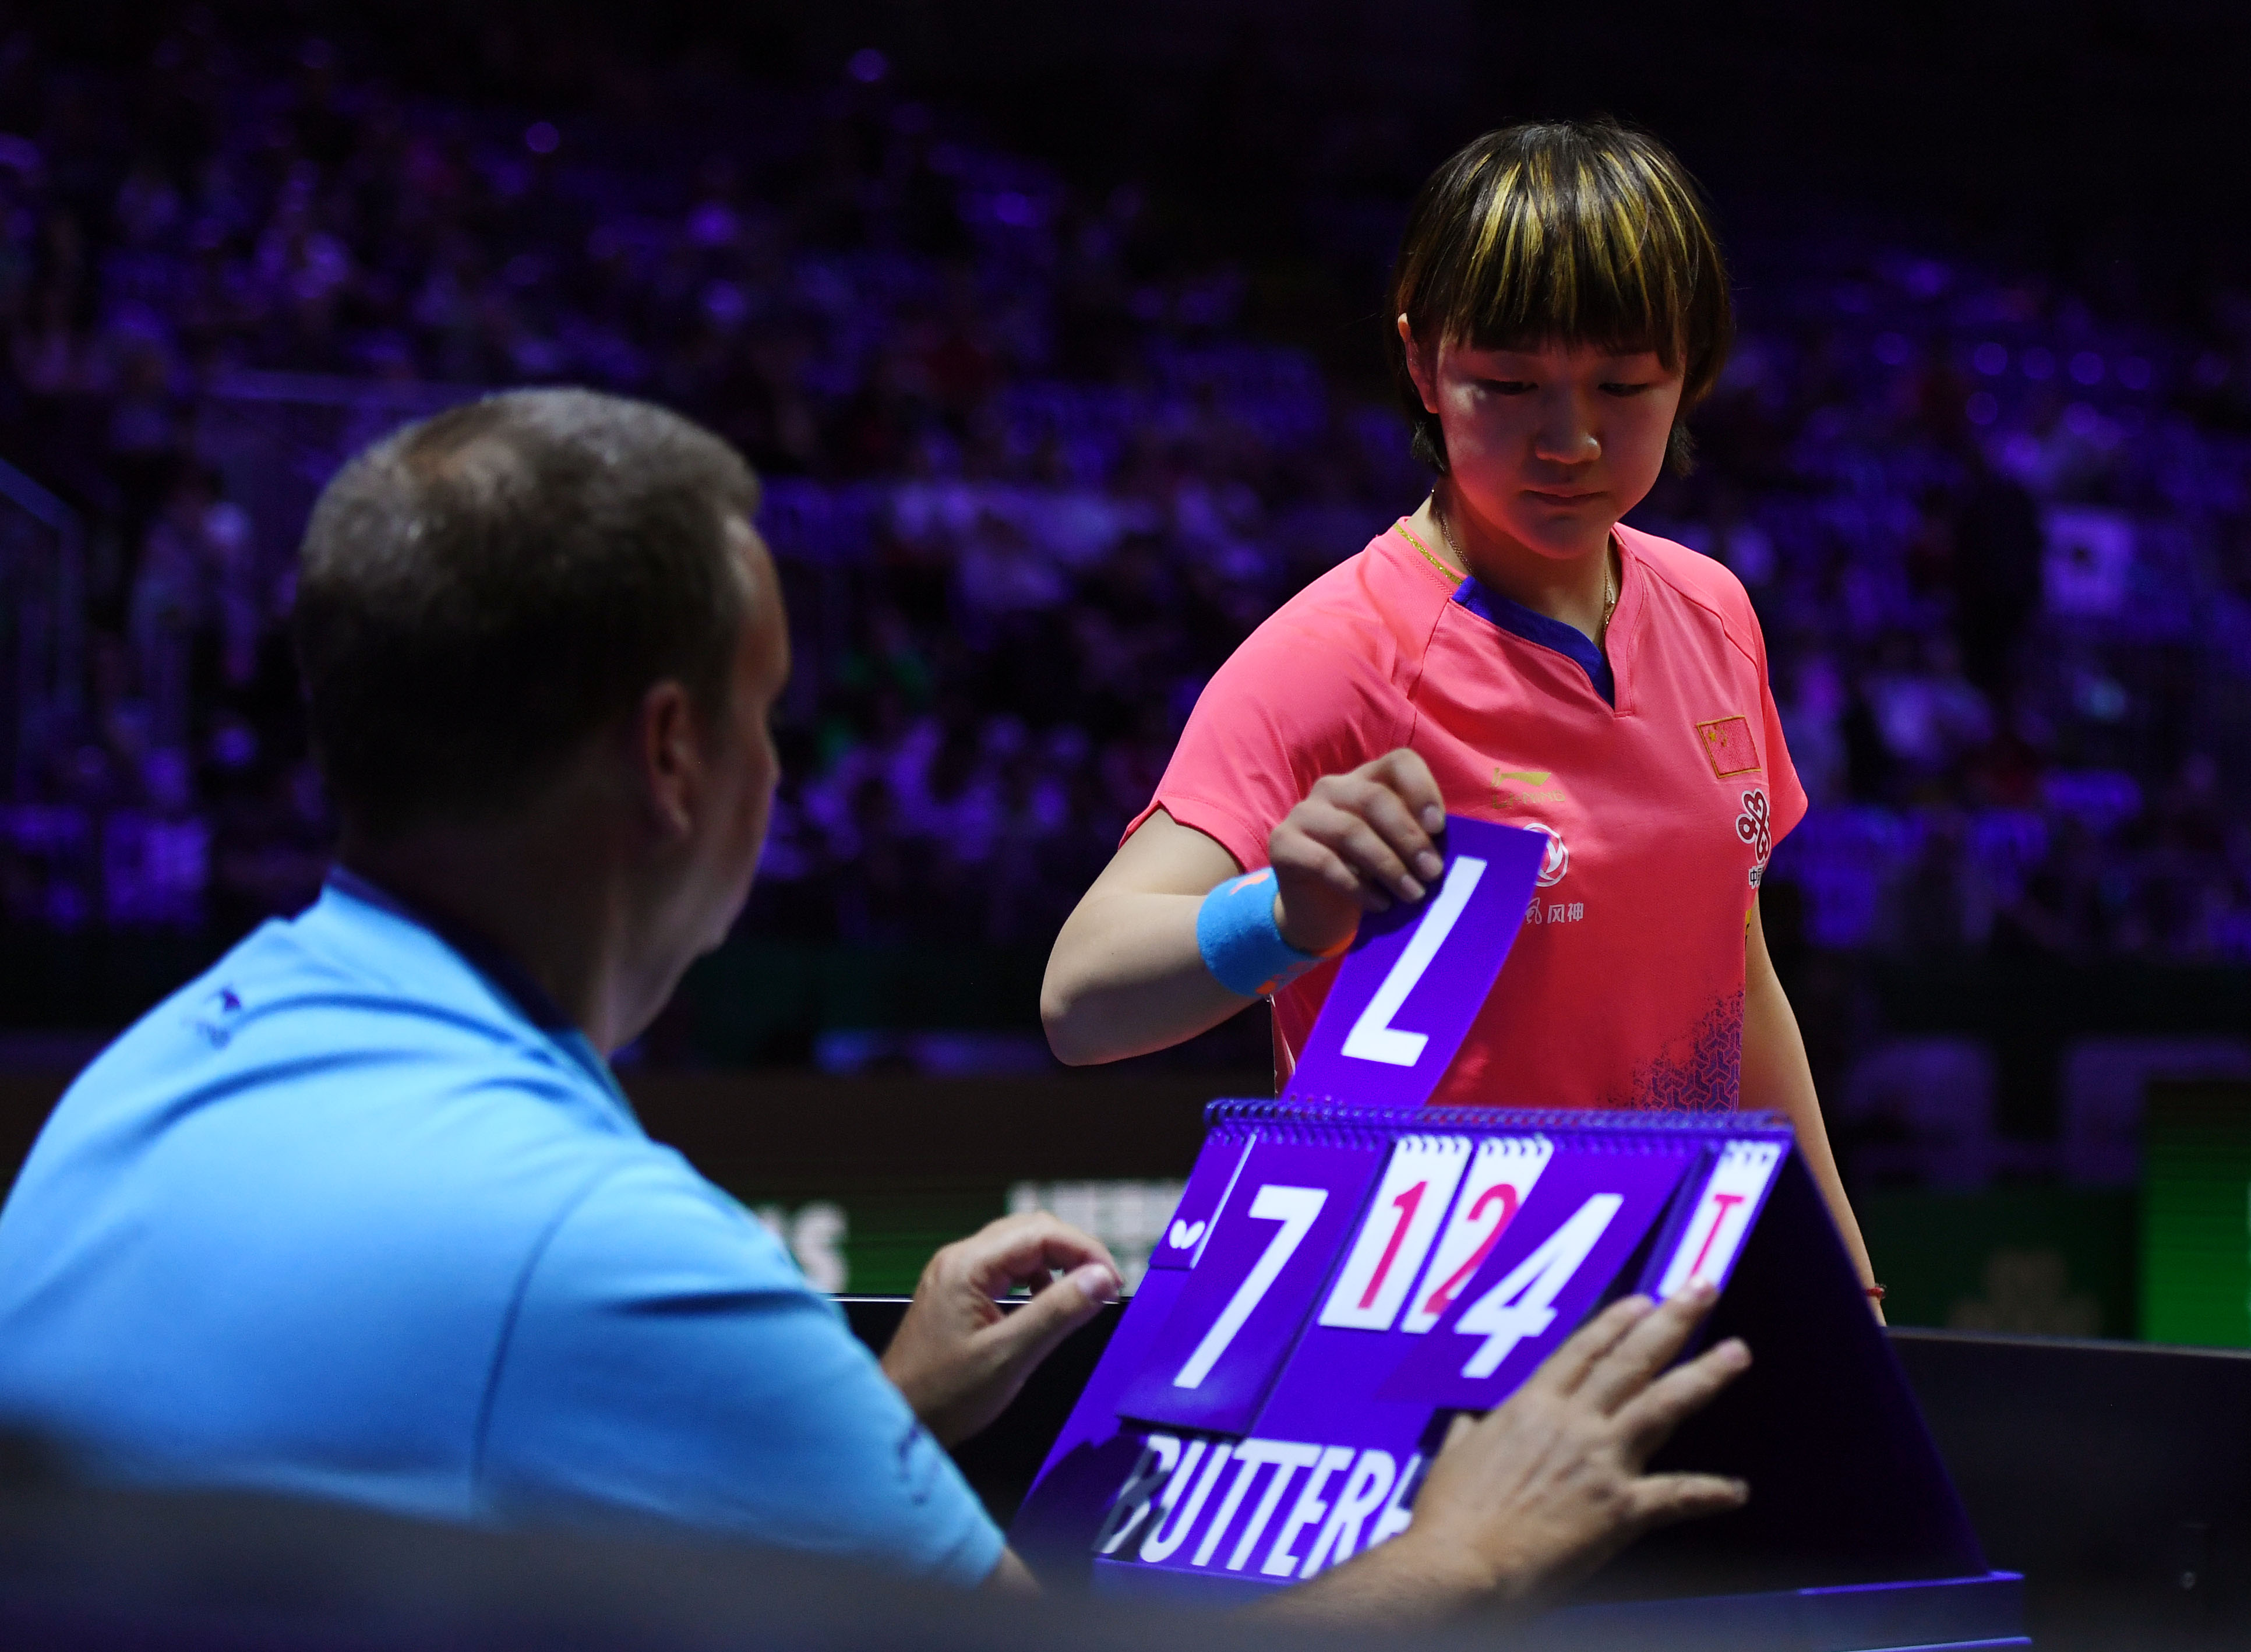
<point>1402,1219</point>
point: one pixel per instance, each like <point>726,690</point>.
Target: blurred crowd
<point>1030,476</point>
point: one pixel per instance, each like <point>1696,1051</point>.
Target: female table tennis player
<point>1513,652</point>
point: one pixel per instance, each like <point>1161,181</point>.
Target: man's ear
<point>668,757</point>
<point>1417,369</point>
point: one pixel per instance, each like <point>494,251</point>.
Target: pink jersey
<point>1625,986</point>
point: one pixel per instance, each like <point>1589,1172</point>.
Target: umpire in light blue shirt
<point>361,1213</point>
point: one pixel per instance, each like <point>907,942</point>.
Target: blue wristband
<point>1242,944</point>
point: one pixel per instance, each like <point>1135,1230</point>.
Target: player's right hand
<point>1357,843</point>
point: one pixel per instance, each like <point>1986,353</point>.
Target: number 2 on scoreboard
<point>1295,1209</point>
<point>1500,1179</point>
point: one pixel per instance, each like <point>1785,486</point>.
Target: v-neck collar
<point>1518,620</point>
<point>1567,640</point>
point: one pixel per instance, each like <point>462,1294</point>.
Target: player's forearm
<point>1777,1076</point>
<point>1126,978</point>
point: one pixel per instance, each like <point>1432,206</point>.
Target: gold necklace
<point>1609,587</point>
<point>1445,572</point>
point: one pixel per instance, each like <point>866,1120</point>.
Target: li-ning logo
<point>1518,787</point>
<point>1754,827</point>
<point>1557,861</point>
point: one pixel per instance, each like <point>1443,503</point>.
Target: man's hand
<point>958,1356</point>
<point>1358,842</point>
<point>1545,1489</point>
<point>1530,1499</point>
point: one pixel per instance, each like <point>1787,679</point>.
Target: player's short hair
<point>1563,231</point>
<point>479,593</point>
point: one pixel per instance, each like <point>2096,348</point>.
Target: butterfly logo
<point>1185,1235</point>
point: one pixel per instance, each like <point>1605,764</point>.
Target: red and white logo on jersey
<point>1557,861</point>
<point>1753,826</point>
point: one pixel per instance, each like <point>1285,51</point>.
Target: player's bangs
<point>1587,236</point>
<point>1591,250</point>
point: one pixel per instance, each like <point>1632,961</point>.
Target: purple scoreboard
<point>1348,1268</point>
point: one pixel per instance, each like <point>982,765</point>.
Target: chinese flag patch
<point>1728,743</point>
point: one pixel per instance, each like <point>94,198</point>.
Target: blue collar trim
<point>539,1007</point>
<point>1518,620</point>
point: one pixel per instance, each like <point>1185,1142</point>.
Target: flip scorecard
<point>1349,1268</point>
<point>1359,1275</point>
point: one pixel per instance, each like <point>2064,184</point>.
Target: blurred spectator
<point>1997,574</point>
<point>1030,478</point>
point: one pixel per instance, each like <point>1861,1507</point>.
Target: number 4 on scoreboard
<point>1523,1304</point>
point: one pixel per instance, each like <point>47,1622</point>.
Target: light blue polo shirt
<point>342,1218</point>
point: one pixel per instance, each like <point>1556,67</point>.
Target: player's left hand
<point>958,1357</point>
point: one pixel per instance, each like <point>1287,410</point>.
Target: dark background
<point>1131,259</point>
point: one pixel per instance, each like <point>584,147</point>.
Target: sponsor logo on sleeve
<point>1753,826</point>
